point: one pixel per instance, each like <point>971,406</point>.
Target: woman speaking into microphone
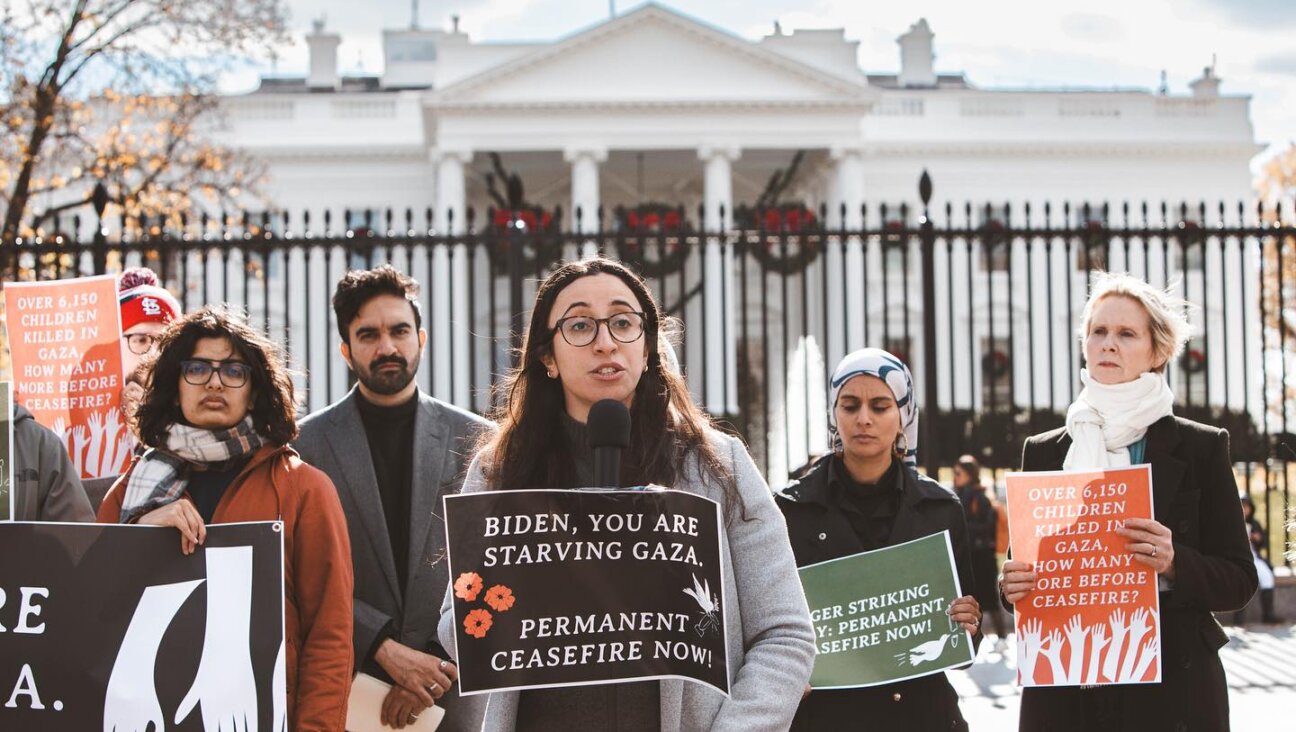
<point>593,335</point>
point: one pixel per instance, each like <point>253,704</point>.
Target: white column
<point>448,319</point>
<point>585,192</point>
<point>719,302</point>
<point>850,190</point>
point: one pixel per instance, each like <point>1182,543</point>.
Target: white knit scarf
<point>1105,419</point>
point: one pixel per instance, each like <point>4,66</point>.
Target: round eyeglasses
<point>140,343</point>
<point>233,374</point>
<point>582,330</point>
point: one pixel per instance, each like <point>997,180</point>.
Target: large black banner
<point>561,588</point>
<point>107,628</point>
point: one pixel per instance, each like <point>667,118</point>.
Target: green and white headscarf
<point>893,372</point>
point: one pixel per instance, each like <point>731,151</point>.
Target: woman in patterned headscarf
<point>867,495</point>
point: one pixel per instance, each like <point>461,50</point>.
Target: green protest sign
<point>880,617</point>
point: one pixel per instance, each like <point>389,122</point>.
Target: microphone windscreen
<point>608,424</point>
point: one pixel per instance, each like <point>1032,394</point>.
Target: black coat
<point>819,530</point>
<point>1194,494</point>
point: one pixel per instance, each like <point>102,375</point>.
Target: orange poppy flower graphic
<point>468,586</point>
<point>500,597</point>
<point>477,623</point>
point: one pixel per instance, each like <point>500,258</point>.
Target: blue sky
<point>997,43</point>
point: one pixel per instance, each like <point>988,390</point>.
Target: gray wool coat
<point>770,638</point>
<point>333,440</point>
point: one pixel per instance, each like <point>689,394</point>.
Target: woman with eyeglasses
<point>594,335</point>
<point>217,418</point>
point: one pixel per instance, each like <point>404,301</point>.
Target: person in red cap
<point>146,310</point>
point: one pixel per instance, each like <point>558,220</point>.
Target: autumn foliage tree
<point>1276,186</point>
<point>119,92</point>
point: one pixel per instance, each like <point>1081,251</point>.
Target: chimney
<point>323,57</point>
<point>916,56</point>
<point>1207,87</point>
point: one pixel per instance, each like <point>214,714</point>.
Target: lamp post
<point>930,387</point>
<point>99,199</point>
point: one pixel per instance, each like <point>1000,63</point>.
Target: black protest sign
<point>113,628</point>
<point>560,588</point>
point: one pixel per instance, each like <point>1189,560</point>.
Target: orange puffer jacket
<point>318,580</point>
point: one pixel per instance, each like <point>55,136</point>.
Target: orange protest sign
<point>1094,615</point>
<point>65,343</point>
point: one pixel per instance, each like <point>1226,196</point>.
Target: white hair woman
<point>1197,542</point>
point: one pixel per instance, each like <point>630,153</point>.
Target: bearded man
<point>393,451</point>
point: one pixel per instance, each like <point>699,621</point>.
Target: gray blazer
<point>444,437</point>
<point>771,641</point>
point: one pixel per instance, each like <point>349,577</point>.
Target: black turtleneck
<point>390,432</point>
<point>870,507</point>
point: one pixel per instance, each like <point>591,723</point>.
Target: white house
<point>655,106</point>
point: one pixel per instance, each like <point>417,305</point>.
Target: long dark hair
<point>273,408</point>
<point>530,449</point>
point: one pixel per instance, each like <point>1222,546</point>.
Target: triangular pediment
<point>654,55</point>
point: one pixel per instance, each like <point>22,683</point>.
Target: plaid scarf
<point>162,473</point>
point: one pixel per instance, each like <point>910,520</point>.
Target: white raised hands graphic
<point>59,427</point>
<point>131,702</point>
<point>224,684</point>
<point>1119,631</point>
<point>929,651</point>
<point>1076,634</point>
<point>1028,648</point>
<point>124,445</point>
<point>110,463</point>
<point>1139,626</point>
<point>1098,640</point>
<point>79,441</point>
<point>279,691</point>
<point>94,422</point>
<point>1052,650</point>
<point>1150,651</point>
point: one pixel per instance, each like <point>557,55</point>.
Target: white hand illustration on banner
<point>125,443</point>
<point>279,691</point>
<point>1052,650</point>
<point>1076,634</point>
<point>1028,648</point>
<point>111,461</point>
<point>131,703</point>
<point>225,685</point>
<point>701,592</point>
<point>94,422</point>
<point>1139,626</point>
<point>1119,630</point>
<point>1098,641</point>
<point>1149,653</point>
<point>80,438</point>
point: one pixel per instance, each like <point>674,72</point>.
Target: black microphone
<point>609,433</point>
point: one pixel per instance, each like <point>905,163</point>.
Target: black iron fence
<point>981,301</point>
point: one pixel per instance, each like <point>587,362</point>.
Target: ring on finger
<point>1154,551</point>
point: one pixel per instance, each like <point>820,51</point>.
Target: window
<point>996,374</point>
<point>899,346</point>
<point>993,221</point>
<point>1192,374</point>
<point>1091,254</point>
